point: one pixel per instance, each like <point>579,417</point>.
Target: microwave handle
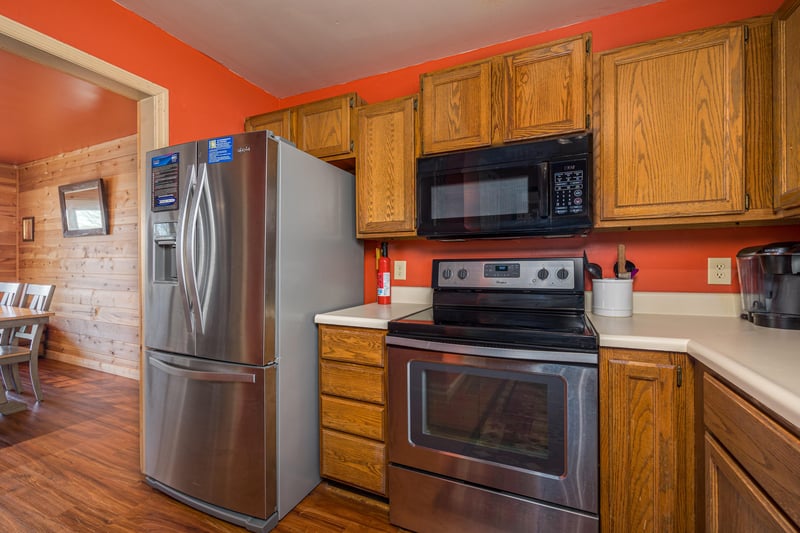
<point>546,192</point>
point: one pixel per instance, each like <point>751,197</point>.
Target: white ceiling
<point>289,47</point>
<point>286,47</point>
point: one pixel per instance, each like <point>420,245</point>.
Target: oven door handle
<point>586,358</point>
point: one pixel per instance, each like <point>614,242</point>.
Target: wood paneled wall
<point>96,301</point>
<point>8,222</point>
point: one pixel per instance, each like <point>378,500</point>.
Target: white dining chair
<point>12,353</point>
<point>10,294</point>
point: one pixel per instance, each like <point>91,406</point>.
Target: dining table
<point>15,317</point>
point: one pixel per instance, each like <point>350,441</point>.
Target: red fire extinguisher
<point>384,276</point>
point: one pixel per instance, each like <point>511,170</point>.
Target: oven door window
<point>512,418</point>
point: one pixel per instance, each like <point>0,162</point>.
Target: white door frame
<point>153,100</point>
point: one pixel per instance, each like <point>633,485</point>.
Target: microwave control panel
<point>569,187</point>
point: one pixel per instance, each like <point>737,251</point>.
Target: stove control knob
<point>462,274</point>
<point>543,274</point>
<point>562,273</point>
<point>447,273</point>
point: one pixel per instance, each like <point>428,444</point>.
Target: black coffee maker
<point>769,276</point>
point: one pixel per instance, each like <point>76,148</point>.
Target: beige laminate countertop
<point>372,315</point>
<point>763,362</point>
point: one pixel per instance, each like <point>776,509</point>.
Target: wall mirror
<point>83,208</point>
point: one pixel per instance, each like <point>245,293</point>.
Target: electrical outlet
<point>399,270</point>
<point>719,270</point>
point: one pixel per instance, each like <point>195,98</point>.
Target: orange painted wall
<point>205,98</point>
<point>668,260</point>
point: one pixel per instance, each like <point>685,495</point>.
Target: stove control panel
<point>525,274</point>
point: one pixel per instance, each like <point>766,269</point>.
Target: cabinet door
<point>546,89</point>
<point>767,451</point>
<point>647,460</point>
<point>671,127</point>
<point>326,128</point>
<point>787,108</point>
<point>386,168</point>
<point>278,122</point>
<point>733,501</point>
<point>457,108</point>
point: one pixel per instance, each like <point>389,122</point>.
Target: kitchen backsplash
<point>668,260</point>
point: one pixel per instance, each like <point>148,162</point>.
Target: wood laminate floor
<point>71,463</point>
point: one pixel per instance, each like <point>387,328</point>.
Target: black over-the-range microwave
<point>538,188</point>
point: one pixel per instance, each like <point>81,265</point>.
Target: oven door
<point>524,427</point>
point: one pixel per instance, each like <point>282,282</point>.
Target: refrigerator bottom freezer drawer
<point>210,431</point>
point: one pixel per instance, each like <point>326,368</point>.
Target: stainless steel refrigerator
<point>246,239</point>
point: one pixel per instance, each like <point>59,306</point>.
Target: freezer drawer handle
<point>199,375</point>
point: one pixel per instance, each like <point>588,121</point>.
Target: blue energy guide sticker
<point>220,150</point>
<point>165,200</point>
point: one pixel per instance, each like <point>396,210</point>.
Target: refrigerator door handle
<point>199,375</point>
<point>205,232</point>
<point>182,258</point>
<point>190,250</point>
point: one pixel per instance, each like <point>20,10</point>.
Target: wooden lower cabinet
<point>647,457</point>
<point>752,465</point>
<point>353,406</point>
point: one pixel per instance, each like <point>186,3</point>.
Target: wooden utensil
<point>622,270</point>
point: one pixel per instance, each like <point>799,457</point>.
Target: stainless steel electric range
<point>493,401</point>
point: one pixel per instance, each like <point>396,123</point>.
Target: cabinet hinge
<point>352,145</point>
<point>589,45</point>
<point>747,202</point>
<point>352,102</point>
<point>416,104</point>
<point>746,33</point>
<point>680,376</point>
<point>588,121</point>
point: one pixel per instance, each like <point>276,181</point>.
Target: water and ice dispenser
<point>164,206</point>
<point>165,266</point>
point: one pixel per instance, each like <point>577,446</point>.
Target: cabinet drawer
<point>352,345</point>
<point>354,460</point>
<point>733,501</point>
<point>357,418</point>
<point>769,453</point>
<point>357,382</point>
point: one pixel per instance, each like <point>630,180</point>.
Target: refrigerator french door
<point>210,215</point>
<point>211,401</point>
<point>237,232</point>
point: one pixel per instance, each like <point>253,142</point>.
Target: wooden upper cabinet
<point>456,108</point>
<point>278,122</point>
<point>386,169</point>
<point>671,126</point>
<point>546,89</point>
<point>327,128</point>
<point>535,92</point>
<point>787,108</point>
